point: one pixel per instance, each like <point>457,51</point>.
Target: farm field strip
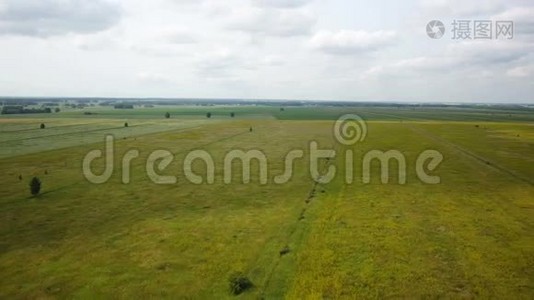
<point>54,126</point>
<point>485,162</point>
<point>71,133</point>
<point>235,132</point>
<point>460,238</point>
<point>32,144</point>
<point>452,115</point>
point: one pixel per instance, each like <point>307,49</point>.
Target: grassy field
<point>471,236</point>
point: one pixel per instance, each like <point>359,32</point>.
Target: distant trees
<point>232,114</point>
<point>282,109</point>
<point>123,106</point>
<point>126,124</point>
<point>19,109</point>
<point>12,109</point>
<point>57,109</point>
<point>208,115</point>
<point>35,186</point>
<point>42,126</point>
<point>75,106</point>
<point>167,115</point>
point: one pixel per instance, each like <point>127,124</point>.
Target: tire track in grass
<point>76,132</point>
<point>51,127</point>
<point>293,229</point>
<point>129,136</point>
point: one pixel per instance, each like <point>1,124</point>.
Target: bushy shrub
<point>239,283</point>
<point>35,186</point>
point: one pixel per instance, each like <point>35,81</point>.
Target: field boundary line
<point>71,133</point>
<point>481,159</point>
<point>484,161</point>
<point>51,127</point>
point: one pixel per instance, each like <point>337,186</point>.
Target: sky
<point>265,49</point>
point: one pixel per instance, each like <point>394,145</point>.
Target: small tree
<point>232,114</point>
<point>167,115</point>
<point>35,186</point>
<point>42,126</point>
<point>57,109</point>
<point>208,115</point>
<point>126,124</point>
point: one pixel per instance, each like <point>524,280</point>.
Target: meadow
<point>470,236</point>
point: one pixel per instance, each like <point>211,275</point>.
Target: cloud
<point>460,8</point>
<point>221,63</point>
<point>272,61</point>
<point>520,72</point>
<point>175,36</point>
<point>153,78</point>
<point>96,41</point>
<point>271,22</point>
<point>347,42</point>
<point>281,3</point>
<point>474,57</point>
<point>162,41</point>
<point>263,49</point>
<point>523,18</point>
<point>225,63</point>
<point>487,53</point>
<point>412,66</point>
<point>45,18</point>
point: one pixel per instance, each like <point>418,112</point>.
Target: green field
<point>471,236</point>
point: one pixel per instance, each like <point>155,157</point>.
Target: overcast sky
<point>275,49</point>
